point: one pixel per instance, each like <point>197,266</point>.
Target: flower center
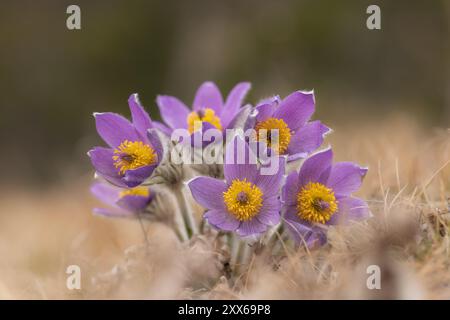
<point>243,199</point>
<point>284,134</point>
<point>316,203</point>
<point>138,191</point>
<point>195,119</point>
<point>132,155</point>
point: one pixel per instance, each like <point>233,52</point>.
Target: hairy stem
<point>235,246</point>
<point>144,231</point>
<point>180,229</point>
<point>186,211</point>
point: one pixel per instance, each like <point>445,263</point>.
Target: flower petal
<point>113,213</point>
<point>270,211</point>
<point>276,100</point>
<point>208,96</point>
<point>155,141</point>
<point>296,156</point>
<point>208,192</point>
<point>308,138</point>
<point>173,111</point>
<point>317,238</point>
<point>117,181</point>
<point>303,232</point>
<point>234,102</point>
<point>162,127</point>
<point>240,161</point>
<point>345,178</point>
<point>135,177</point>
<point>291,189</point>
<point>102,161</point>
<point>200,140</point>
<point>316,168</point>
<point>140,117</point>
<point>265,111</point>
<point>299,230</point>
<point>105,193</point>
<point>349,209</point>
<point>114,128</point>
<point>133,203</point>
<point>270,183</point>
<point>241,119</point>
<point>221,220</point>
<point>251,227</point>
<point>296,109</point>
<point>291,214</point>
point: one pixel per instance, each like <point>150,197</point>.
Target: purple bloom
<point>297,135</point>
<point>247,201</point>
<point>134,147</point>
<point>124,203</point>
<point>209,109</point>
<point>320,195</point>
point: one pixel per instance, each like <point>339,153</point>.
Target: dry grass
<point>408,189</point>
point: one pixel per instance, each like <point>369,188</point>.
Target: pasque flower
<point>319,195</point>
<point>124,203</point>
<point>297,136</point>
<point>247,201</point>
<point>209,110</point>
<point>134,147</point>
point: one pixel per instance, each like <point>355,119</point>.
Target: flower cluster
<point>304,200</point>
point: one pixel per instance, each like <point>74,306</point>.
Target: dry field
<point>407,187</point>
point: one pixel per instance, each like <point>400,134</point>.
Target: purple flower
<point>297,136</point>
<point>122,202</point>
<point>209,110</point>
<point>134,147</point>
<point>247,202</point>
<point>320,195</point>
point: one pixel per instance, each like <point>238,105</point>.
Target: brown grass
<point>407,187</point>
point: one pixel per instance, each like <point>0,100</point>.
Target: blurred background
<point>52,78</point>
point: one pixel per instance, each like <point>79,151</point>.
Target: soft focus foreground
<point>407,188</point>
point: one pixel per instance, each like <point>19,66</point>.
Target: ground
<point>42,232</point>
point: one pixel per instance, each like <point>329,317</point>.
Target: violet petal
<point>270,211</point>
<point>114,129</point>
<point>240,162</point>
<point>222,220</point>
<point>208,192</point>
<point>135,177</point>
<point>316,168</point>
<point>106,193</point>
<point>173,112</point>
<point>234,102</point>
<point>141,119</point>
<point>251,227</point>
<point>208,96</point>
<point>345,178</point>
<point>308,138</point>
<point>296,109</point>
<point>350,209</point>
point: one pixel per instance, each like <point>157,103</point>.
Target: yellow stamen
<point>243,199</point>
<point>138,191</point>
<point>195,119</point>
<point>132,155</point>
<point>284,134</point>
<point>316,203</point>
